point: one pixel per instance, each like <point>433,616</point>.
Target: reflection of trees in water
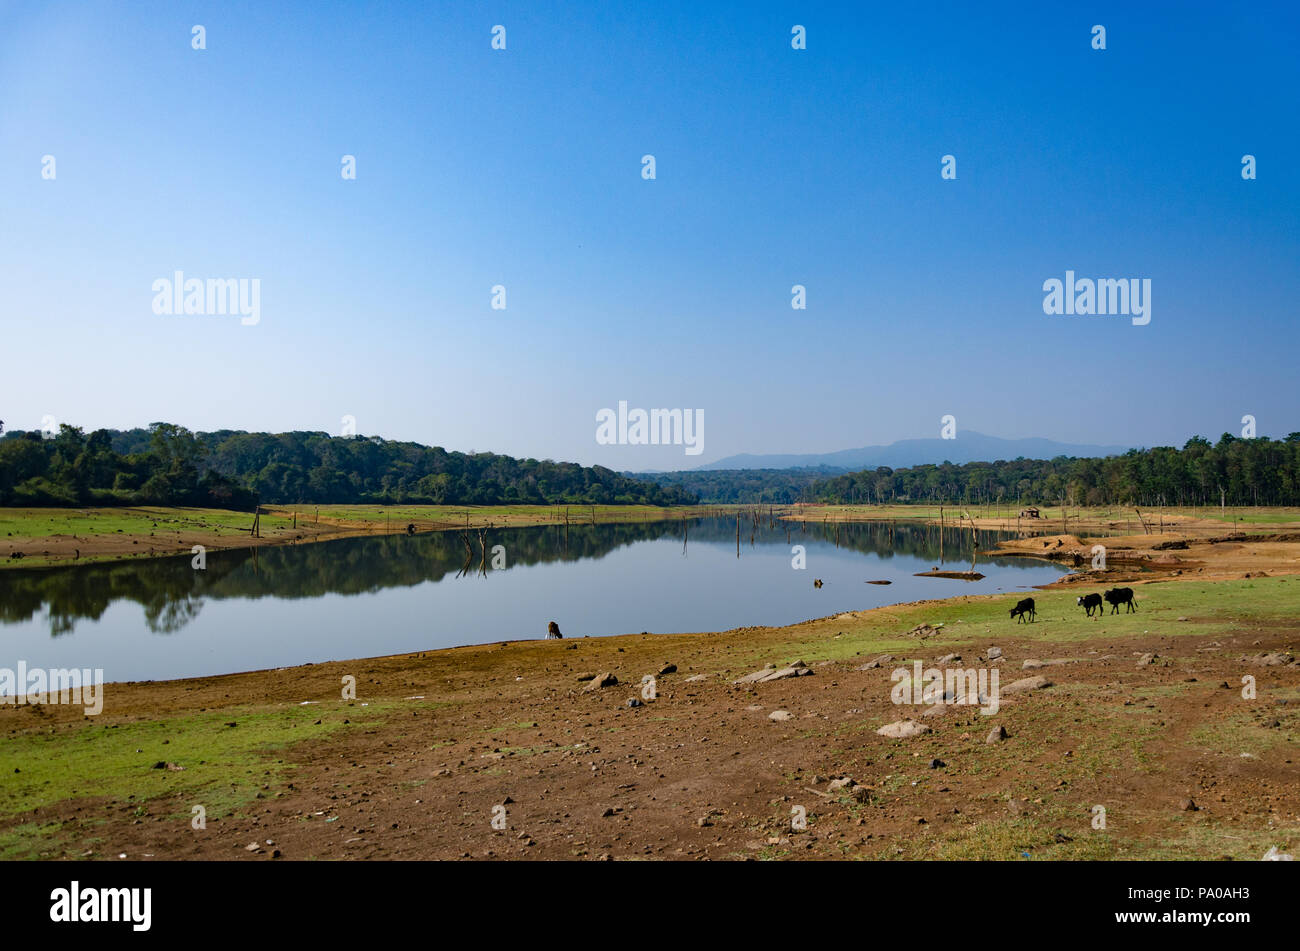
<point>170,616</point>
<point>172,592</point>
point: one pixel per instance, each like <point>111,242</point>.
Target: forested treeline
<point>742,486</point>
<point>1234,471</point>
<point>167,464</point>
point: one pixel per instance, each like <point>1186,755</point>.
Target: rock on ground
<point>902,729</point>
<point>606,679</point>
<point>769,674</point>
<point>1027,683</point>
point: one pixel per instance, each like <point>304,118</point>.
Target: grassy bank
<point>41,537</point>
<point>1063,519</point>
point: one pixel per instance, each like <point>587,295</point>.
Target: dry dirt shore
<point>1144,715</point>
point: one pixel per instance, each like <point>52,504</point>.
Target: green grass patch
<point>224,767</point>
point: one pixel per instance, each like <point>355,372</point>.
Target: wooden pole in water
<point>737,533</point>
<point>1145,530</point>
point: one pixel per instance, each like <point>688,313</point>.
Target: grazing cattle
<point>817,582</point>
<point>1117,596</point>
<point>1022,608</point>
<point>553,632</point>
<point>1090,601</point>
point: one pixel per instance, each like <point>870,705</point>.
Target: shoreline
<point>694,772</point>
<point>1128,564</point>
<point>110,534</point>
<point>137,537</point>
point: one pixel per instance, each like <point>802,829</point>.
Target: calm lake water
<point>363,597</point>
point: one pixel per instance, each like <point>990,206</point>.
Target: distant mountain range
<point>969,446</point>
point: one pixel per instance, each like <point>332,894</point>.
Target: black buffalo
<point>1090,601</point>
<point>1117,596</point>
<point>1022,608</point>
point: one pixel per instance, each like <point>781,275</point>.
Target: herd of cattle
<point>1024,609</point>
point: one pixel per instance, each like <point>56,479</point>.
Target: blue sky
<point>775,167</point>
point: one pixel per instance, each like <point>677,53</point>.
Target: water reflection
<point>172,593</point>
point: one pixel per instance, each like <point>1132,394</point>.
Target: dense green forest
<point>167,464</point>
<point>1246,472</point>
<point>1234,471</point>
<point>742,486</point>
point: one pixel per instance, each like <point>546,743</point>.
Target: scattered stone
<point>1276,659</point>
<point>696,678</point>
<point>1273,855</point>
<point>601,680</point>
<point>937,763</point>
<point>878,662</point>
<point>1188,805</point>
<point>634,702</point>
<point>843,782</point>
<point>252,847</point>
<point>667,669</point>
<point>768,674</point>
<point>948,658</point>
<point>1027,683</point>
<point>996,735</point>
<point>586,677</point>
<point>903,729</point>
<point>1145,659</point>
<point>995,653</point>
<point>756,676</point>
<point>780,715</point>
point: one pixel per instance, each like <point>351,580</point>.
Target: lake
<point>251,609</point>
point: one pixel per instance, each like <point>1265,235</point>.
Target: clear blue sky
<point>775,167</point>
